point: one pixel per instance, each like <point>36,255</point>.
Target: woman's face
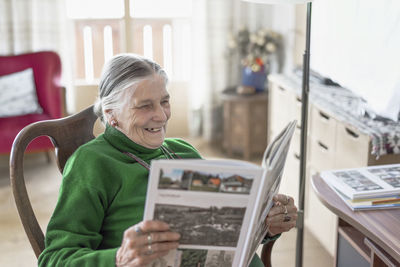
<point>144,118</point>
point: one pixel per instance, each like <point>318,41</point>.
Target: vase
<point>254,79</point>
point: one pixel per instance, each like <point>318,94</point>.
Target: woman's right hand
<point>145,242</point>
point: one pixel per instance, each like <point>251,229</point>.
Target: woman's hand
<point>282,216</point>
<point>145,242</point>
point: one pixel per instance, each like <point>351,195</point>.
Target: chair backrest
<point>66,134</point>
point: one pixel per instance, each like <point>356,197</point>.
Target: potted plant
<point>255,50</point>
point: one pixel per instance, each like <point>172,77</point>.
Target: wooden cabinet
<point>245,123</point>
<point>331,144</point>
<point>282,108</point>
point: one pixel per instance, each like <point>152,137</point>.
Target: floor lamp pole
<point>303,141</point>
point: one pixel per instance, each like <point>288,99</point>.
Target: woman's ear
<point>110,118</point>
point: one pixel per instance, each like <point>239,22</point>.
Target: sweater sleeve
<point>74,231</point>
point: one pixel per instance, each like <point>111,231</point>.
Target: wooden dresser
<point>245,123</point>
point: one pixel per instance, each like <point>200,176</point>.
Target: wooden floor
<point>43,180</point>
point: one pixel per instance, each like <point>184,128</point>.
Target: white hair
<point>120,73</point>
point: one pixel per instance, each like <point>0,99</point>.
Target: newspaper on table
<point>218,206</point>
<point>366,182</point>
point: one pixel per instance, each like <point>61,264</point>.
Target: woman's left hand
<point>282,216</point>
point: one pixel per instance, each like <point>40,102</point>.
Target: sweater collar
<point>121,142</point>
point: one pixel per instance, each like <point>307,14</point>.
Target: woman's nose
<point>160,114</point>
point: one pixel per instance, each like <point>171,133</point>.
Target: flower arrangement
<point>255,48</point>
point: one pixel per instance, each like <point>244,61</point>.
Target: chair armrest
<point>266,253</point>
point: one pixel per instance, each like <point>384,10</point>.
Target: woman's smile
<point>154,130</point>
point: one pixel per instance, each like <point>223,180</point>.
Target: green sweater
<point>102,194</point>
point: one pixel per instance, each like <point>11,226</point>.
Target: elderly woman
<point>98,217</point>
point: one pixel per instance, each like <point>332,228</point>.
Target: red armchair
<point>47,73</point>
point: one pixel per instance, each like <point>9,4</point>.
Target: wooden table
<point>375,234</point>
<point>245,122</point>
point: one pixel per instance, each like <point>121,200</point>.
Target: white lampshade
<point>275,2</point>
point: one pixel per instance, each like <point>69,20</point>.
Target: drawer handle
<point>323,115</point>
<point>325,147</point>
<point>352,133</point>
<point>298,99</point>
<point>297,156</point>
<point>281,88</point>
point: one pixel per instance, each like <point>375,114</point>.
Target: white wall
<point>356,43</point>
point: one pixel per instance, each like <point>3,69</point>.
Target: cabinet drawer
<point>323,127</point>
<point>352,147</point>
<point>294,148</point>
<point>281,107</point>
<point>319,220</point>
<point>290,179</point>
<point>321,156</point>
<point>295,143</point>
<point>297,105</point>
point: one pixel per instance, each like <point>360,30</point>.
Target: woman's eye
<point>165,102</point>
<point>145,106</point>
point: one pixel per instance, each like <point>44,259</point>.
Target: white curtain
<point>212,71</point>
<point>36,25</point>
<point>31,25</point>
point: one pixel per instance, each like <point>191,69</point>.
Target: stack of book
<point>375,187</point>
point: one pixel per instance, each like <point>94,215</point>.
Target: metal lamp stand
<point>303,141</point>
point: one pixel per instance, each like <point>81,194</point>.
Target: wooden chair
<point>66,134</point>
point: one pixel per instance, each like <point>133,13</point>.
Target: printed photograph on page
<point>196,257</point>
<point>192,180</point>
<point>390,175</point>
<point>356,180</point>
<point>204,226</point>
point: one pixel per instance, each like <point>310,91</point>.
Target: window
<point>161,33</point>
<point>165,9</point>
<point>106,9</point>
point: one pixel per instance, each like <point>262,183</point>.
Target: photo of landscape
<point>203,258</point>
<point>211,226</point>
<point>193,257</point>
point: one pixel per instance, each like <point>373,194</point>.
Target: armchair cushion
<point>18,94</point>
<point>11,127</point>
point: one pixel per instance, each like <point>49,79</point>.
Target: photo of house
<point>202,181</point>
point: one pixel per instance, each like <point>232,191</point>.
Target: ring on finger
<point>149,239</point>
<point>149,250</point>
<point>287,199</point>
<point>286,211</point>
<point>138,230</point>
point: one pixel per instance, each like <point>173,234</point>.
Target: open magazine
<point>366,182</point>
<point>218,206</point>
